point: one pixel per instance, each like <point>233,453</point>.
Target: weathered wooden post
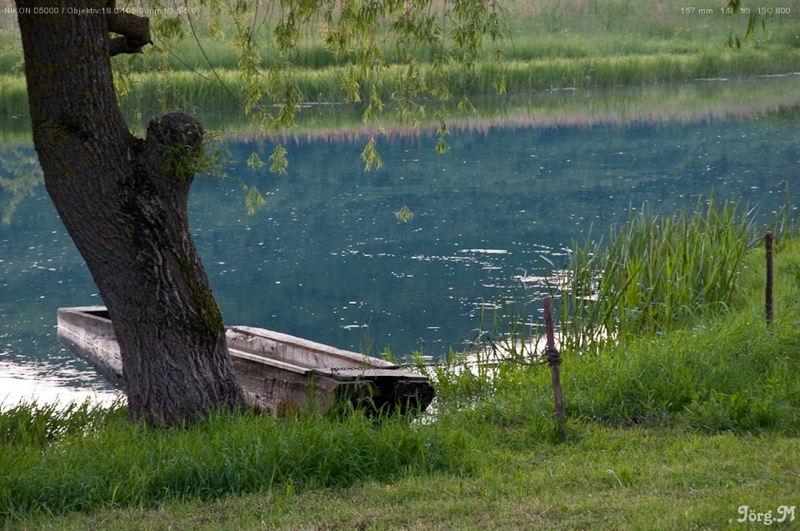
<point>768,239</point>
<point>554,360</point>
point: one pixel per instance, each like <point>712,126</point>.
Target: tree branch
<point>175,144</point>
<point>135,33</point>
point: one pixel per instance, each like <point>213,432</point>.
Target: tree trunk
<point>123,201</point>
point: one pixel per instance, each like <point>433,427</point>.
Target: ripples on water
<point>326,259</point>
<point>49,383</point>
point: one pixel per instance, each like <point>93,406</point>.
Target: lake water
<point>327,259</point>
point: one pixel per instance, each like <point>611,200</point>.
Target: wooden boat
<point>277,372</point>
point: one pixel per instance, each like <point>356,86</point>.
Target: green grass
<point>634,479</point>
<point>693,412</point>
<point>687,102</point>
<point>535,30</point>
<point>654,273</point>
<point>664,430</point>
<point>220,91</point>
<point>133,464</point>
<point>549,44</point>
<point>726,373</point>
<point>13,95</point>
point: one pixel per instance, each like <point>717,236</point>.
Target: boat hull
<point>277,372</point>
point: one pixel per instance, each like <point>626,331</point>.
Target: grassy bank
<point>656,273</point>
<point>664,430</point>
<point>205,91</point>
<point>636,479</point>
<point>548,44</point>
<point>688,102</point>
<point>679,424</point>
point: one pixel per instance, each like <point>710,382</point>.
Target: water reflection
<point>20,176</point>
<point>44,384</point>
<point>327,259</point>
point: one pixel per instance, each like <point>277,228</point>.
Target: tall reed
<point>13,95</point>
<point>654,273</point>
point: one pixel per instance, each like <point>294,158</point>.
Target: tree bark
<point>123,201</point>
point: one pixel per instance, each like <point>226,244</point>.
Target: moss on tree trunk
<point>123,201</point>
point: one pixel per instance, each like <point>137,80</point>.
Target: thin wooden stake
<point>554,360</point>
<point>768,239</point>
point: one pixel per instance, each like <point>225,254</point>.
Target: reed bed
<point>747,98</point>
<point>29,424</point>
<point>724,373</point>
<point>654,274</point>
<point>220,90</point>
<point>714,371</point>
<point>534,30</point>
<point>617,71</point>
<point>549,44</point>
<point>13,95</point>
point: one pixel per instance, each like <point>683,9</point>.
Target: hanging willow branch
<point>365,38</point>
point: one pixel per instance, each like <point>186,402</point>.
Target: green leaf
<point>465,105</point>
<point>254,200</point>
<point>371,157</point>
<point>750,34</point>
<point>499,84</point>
<point>170,28</point>
<point>255,161</point>
<point>441,146</point>
<point>404,214</point>
<point>278,158</point>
